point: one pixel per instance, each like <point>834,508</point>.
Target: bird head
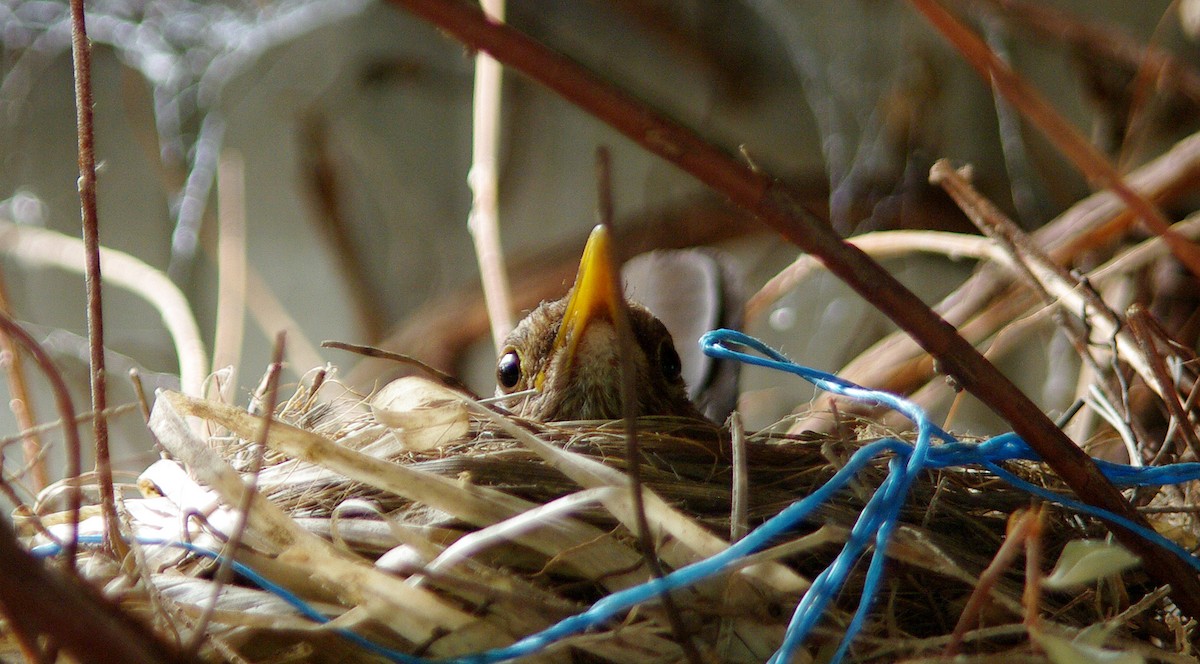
<point>567,351</point>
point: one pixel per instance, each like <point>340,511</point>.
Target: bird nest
<point>501,527</point>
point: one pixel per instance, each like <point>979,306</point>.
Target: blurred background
<point>351,121</point>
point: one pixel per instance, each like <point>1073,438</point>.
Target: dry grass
<point>492,536</point>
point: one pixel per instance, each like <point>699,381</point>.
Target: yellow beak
<point>595,295</point>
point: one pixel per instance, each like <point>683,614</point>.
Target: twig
<point>39,429</point>
<point>1032,596</point>
<point>879,245</point>
<point>81,50</point>
<point>334,224</point>
<point>1145,331</point>
<point>1029,263</point>
<point>629,410</point>
<point>139,390</point>
<point>21,405</point>
<point>231,267</point>
<point>1053,284</point>
<point>1100,41</point>
<point>370,351</point>
<point>43,247</point>
<point>1095,221</point>
<point>484,220</point>
<point>66,410</point>
<point>1090,161</point>
<point>1022,526</point>
<point>90,628</point>
<point>739,522</point>
<point>774,205</point>
<point>225,569</point>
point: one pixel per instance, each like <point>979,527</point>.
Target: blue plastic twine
<point>875,524</point>
<point>881,512</point>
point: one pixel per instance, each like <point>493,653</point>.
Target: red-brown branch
<point>81,52</point>
<point>37,601</point>
<point>775,206</point>
<point>1065,137</point>
<point>70,427</point>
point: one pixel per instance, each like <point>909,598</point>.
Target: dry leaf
<point>1085,561</point>
<point>421,413</point>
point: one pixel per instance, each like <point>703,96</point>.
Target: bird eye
<point>668,360</point>
<point>508,369</point>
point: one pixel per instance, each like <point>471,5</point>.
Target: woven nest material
<point>513,526</point>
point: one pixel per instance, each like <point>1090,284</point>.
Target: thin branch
<point>21,405</point>
<point>629,411</point>
<point>66,410</point>
<point>1066,138</point>
<point>1049,281</point>
<point>484,219</point>
<point>1055,286</point>
<point>81,51</point>
<point>878,245</point>
<point>370,351</point>
<point>1101,42</point>
<point>739,503</point>
<point>225,567</point>
<point>92,629</point>
<point>45,427</point>
<point>231,267</point>
<point>139,390</point>
<point>1022,525</point>
<point>1096,221</point>
<point>47,248</point>
<point>774,205</point>
<point>1146,331</point>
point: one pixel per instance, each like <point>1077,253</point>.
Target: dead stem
<point>739,503</point>
<point>66,410</point>
<point>21,405</point>
<point>39,429</point>
<point>370,351</point>
<point>774,205</point>
<point>986,300</point>
<point>878,245</point>
<point>47,248</point>
<point>225,568</point>
<point>629,411</point>
<point>38,602</point>
<point>1049,281</point>
<point>1148,334</point>
<point>1066,138</point>
<point>135,378</point>
<point>1064,292</point>
<point>1022,525</point>
<point>484,219</point>
<point>231,268</point>
<point>1099,41</point>
<point>325,189</point>
<point>81,51</point>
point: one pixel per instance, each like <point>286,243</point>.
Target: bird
<point>562,361</point>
